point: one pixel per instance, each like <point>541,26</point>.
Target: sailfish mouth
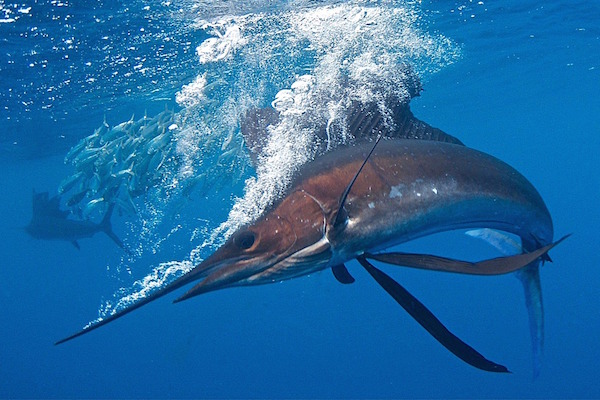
<point>309,259</point>
<point>222,274</point>
<point>244,271</point>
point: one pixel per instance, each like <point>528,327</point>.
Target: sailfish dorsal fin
<point>254,127</point>
<point>390,119</point>
<point>393,120</point>
<point>46,206</point>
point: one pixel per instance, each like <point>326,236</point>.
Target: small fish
<point>92,206</point>
<point>75,150</point>
<point>125,202</point>
<point>95,183</point>
<point>69,182</point>
<point>159,142</point>
<point>76,198</point>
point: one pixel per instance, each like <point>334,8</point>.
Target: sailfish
<point>50,222</point>
<point>402,179</point>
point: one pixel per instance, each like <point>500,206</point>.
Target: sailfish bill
<point>357,200</point>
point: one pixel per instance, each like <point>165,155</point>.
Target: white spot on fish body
<point>396,191</point>
<point>434,190</point>
<point>372,205</point>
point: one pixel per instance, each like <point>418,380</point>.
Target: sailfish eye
<point>244,240</point>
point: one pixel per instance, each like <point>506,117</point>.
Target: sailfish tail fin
<point>530,279</point>
<point>106,227</point>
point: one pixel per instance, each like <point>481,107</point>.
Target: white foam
<point>192,94</point>
<point>158,278</point>
<point>309,62</point>
<point>359,52</point>
<point>221,46</point>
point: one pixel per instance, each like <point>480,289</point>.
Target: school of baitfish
<point>115,165</point>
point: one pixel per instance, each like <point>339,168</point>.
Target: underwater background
<point>516,79</point>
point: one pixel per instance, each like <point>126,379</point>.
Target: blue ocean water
<point>518,80</point>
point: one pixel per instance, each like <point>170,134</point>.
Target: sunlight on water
<point>310,63</point>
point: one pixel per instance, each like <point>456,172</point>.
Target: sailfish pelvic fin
<point>427,320</point>
<point>341,274</point>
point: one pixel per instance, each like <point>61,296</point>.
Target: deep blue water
<point>518,80</point>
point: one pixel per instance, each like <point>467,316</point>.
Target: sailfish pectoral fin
<point>340,215</point>
<point>341,274</point>
<point>429,321</point>
<point>494,266</point>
